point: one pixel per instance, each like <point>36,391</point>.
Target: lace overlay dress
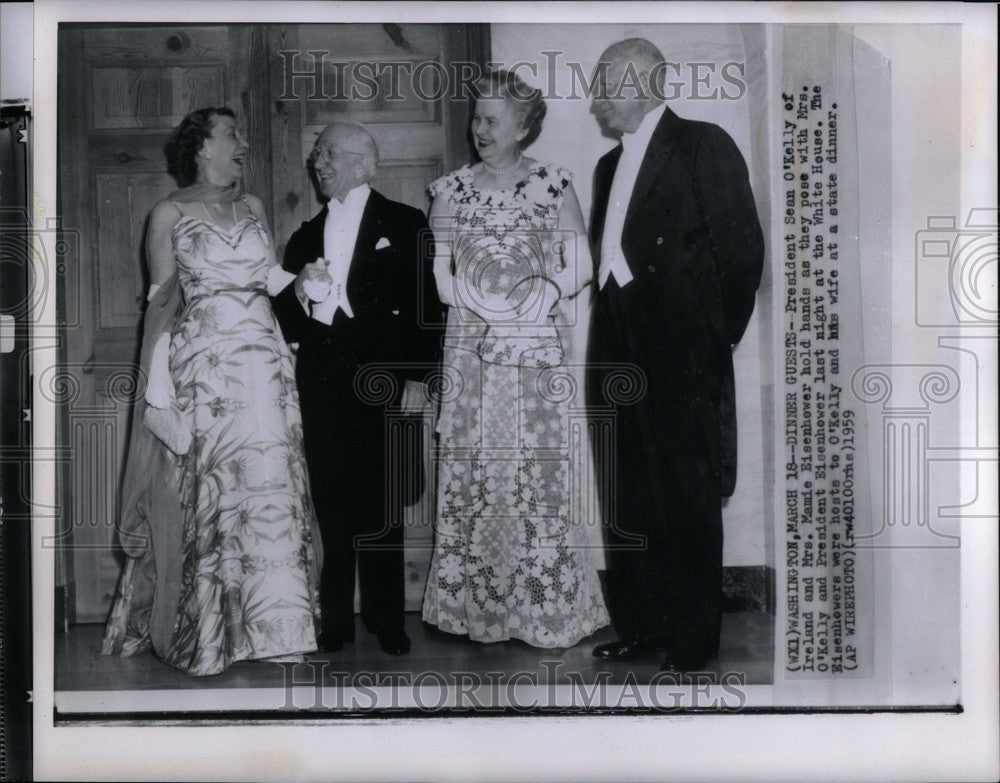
<point>511,559</point>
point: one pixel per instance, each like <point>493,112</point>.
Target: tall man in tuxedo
<point>679,253</point>
<point>366,253</point>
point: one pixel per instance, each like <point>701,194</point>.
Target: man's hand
<point>314,282</point>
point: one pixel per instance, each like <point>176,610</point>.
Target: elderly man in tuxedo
<point>364,298</point>
<point>678,254</point>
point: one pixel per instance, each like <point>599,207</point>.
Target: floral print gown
<point>510,557</point>
<point>250,571</point>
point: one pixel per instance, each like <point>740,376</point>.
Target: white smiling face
<point>497,130</point>
<point>339,161</point>
<point>224,150</point>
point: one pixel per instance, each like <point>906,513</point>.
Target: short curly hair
<point>527,101</point>
<point>186,141</point>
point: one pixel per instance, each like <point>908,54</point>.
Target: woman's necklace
<point>204,206</point>
<point>506,169</point>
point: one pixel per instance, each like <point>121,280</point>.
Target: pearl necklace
<point>506,169</point>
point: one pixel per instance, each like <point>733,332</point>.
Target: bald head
<point>638,51</point>
<point>630,77</point>
<point>351,136</point>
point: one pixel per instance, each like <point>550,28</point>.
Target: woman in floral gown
<point>216,515</point>
<point>510,558</point>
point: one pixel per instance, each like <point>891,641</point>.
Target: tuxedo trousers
<point>356,471</point>
<point>658,474</point>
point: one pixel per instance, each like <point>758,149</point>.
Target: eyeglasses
<point>326,154</point>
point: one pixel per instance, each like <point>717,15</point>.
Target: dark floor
<point>746,648</point>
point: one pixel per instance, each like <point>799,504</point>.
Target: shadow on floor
<point>746,649</point>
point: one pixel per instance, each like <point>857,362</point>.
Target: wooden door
<point>122,89</point>
<point>121,92</point>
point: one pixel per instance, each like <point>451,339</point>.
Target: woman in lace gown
<point>217,519</point>
<point>511,557</point>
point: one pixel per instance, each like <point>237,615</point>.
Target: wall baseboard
<point>748,589</point>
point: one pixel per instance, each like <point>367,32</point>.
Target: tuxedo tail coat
<point>350,376</point>
<point>693,243</point>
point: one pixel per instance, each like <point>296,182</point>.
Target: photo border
<point>882,744</point>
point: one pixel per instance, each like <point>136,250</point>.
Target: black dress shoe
<point>332,642</point>
<point>394,642</point>
<point>624,649</point>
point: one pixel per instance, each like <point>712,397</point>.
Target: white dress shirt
<point>340,234</point>
<point>633,151</point>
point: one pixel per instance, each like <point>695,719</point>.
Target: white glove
<point>316,290</point>
<point>314,282</point>
<point>159,385</point>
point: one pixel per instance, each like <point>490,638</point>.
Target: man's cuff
<point>415,398</point>
<point>278,279</point>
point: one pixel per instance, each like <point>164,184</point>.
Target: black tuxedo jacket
<point>694,245</point>
<point>391,290</point>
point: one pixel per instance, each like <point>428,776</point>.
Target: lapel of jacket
<point>371,228</point>
<point>661,144</point>
<point>602,192</point>
<point>312,241</point>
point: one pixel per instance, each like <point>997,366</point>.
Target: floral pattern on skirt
<point>249,571</point>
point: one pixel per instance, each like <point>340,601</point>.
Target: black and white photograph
<point>449,384</point>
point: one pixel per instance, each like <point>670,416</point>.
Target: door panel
<point>407,182</point>
<point>154,97</point>
<point>124,201</point>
